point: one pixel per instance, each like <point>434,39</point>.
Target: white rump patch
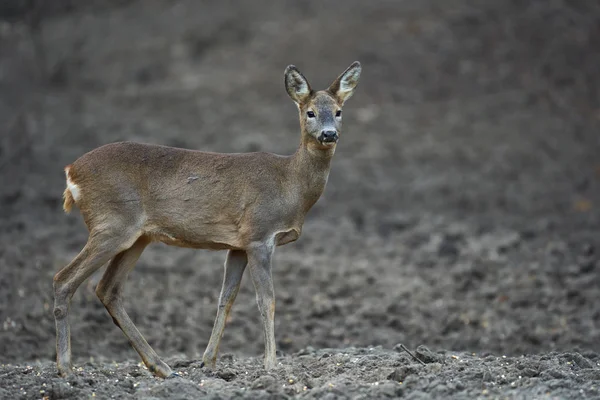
<point>73,188</point>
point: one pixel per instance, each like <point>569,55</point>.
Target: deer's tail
<point>71,193</point>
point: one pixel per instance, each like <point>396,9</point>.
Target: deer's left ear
<point>297,85</point>
<point>343,87</point>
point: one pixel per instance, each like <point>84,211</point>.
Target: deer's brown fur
<point>131,194</point>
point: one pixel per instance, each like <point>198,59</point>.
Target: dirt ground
<point>461,216</point>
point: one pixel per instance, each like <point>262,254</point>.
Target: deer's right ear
<point>296,85</point>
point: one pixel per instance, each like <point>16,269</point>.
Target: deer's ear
<point>343,87</point>
<point>296,85</point>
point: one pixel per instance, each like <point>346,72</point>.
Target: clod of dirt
<point>265,382</point>
<point>182,363</point>
<point>530,372</point>
<point>426,355</point>
<point>395,223</point>
<point>433,368</point>
<point>60,390</point>
<point>581,361</point>
<point>448,248</point>
<point>553,374</point>
<point>306,351</point>
<point>400,373</point>
<point>487,376</point>
<point>587,259</point>
<point>227,374</point>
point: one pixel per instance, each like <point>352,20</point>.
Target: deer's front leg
<point>234,270</point>
<point>259,263</point>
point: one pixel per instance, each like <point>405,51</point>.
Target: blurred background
<point>462,209</point>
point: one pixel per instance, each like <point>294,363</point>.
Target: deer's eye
<point>310,114</point>
<point>338,113</point>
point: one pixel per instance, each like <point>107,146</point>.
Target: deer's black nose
<point>328,136</point>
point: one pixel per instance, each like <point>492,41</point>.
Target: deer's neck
<point>310,167</point>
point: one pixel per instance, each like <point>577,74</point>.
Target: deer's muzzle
<point>328,136</point>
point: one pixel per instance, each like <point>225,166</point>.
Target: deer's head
<point>321,111</point>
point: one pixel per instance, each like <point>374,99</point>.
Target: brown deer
<point>132,194</point>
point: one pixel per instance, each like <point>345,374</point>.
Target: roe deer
<point>131,194</point>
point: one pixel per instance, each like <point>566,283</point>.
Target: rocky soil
<point>461,216</point>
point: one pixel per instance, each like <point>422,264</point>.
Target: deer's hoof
<point>209,364</point>
<point>65,372</point>
<point>160,370</point>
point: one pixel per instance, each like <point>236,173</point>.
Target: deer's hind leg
<point>110,292</point>
<point>100,247</point>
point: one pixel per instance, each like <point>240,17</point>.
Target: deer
<point>131,194</point>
